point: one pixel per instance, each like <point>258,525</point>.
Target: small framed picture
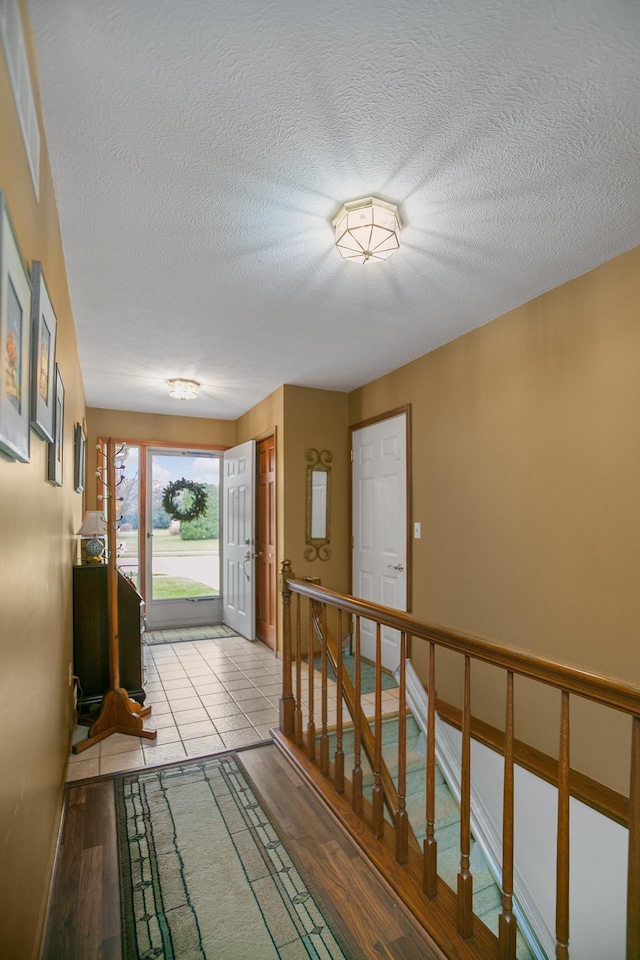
<point>15,314</point>
<point>56,447</point>
<point>79,459</point>
<point>43,356</point>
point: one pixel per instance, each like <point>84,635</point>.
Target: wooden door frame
<point>270,432</point>
<point>388,415</point>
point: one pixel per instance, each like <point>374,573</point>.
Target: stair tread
<point>487,896</point>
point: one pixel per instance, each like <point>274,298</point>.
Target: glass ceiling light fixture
<point>367,230</point>
<point>183,389</point>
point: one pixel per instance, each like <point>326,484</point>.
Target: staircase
<point>388,798</point>
<point>487,897</point>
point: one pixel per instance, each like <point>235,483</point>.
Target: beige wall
<point>526,464</point>
<point>37,547</point>
<point>303,418</point>
<point>127,425</point>
<point>318,419</point>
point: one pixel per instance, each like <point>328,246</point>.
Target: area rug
<point>367,673</point>
<point>180,634</point>
<point>205,875</point>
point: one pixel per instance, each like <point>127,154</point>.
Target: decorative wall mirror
<point>318,533</point>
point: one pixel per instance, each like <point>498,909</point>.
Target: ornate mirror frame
<point>318,528</point>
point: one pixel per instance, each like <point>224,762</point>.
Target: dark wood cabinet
<point>91,636</point>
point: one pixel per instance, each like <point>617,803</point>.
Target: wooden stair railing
<point>391,846</point>
<point>393,800</point>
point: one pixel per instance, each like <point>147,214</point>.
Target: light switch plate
<point>417,531</point>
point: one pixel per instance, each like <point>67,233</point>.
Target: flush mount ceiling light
<point>367,230</point>
<point>183,389</point>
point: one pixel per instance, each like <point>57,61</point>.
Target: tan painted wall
<point>37,547</point>
<point>128,425</point>
<point>526,464</point>
<point>305,418</point>
<point>318,419</point>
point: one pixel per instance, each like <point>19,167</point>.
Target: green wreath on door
<point>198,500</point>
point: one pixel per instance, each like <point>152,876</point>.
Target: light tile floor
<point>206,696</point>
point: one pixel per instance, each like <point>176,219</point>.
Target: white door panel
<point>239,539</point>
<point>380,527</point>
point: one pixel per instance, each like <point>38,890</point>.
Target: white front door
<point>238,542</point>
<point>380,527</point>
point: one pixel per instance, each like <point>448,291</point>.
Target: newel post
<point>287,701</point>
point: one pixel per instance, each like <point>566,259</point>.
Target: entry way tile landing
<point>207,695</point>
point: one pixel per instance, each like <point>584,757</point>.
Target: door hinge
<point>352,456</point>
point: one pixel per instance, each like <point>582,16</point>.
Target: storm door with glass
<point>183,555</point>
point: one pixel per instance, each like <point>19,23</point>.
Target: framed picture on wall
<point>79,460</point>
<point>56,447</point>
<point>43,356</point>
<point>15,315</point>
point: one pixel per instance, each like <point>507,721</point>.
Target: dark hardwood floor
<point>84,915</point>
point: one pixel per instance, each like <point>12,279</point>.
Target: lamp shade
<point>93,525</point>
<point>367,230</point>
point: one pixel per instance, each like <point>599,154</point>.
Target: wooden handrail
<point>457,921</point>
<point>607,690</point>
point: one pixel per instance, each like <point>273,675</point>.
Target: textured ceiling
<point>200,150</point>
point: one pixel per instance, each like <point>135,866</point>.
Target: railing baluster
<point>311,725</point>
<point>402,820</point>
<point>324,737</point>
<point>356,799</point>
<point>378,796</point>
<point>465,878</point>
<point>430,880</point>
<point>298,710</point>
<point>507,923</point>
<point>562,853</point>
<point>607,691</point>
<point>287,703</point>
<point>339,754</point>
<point>633,883</point>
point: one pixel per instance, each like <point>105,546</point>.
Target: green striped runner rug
<point>205,874</point>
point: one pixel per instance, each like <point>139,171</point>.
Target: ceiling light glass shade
<point>183,389</point>
<point>367,230</point>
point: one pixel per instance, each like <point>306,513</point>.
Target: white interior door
<point>238,542</point>
<point>380,527</point>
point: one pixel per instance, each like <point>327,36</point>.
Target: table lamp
<point>94,527</point>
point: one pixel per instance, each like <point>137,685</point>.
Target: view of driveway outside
<point>185,560</point>
<point>181,568</point>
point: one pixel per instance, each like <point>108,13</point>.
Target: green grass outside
<point>174,588</point>
<point>166,545</point>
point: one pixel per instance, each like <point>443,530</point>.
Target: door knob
<point>398,566</point>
